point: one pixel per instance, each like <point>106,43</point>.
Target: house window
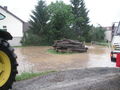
<point>1,16</point>
<point>5,28</point>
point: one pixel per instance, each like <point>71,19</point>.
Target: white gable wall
<point>108,35</point>
<point>14,27</point>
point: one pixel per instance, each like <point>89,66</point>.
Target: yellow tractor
<point>8,63</point>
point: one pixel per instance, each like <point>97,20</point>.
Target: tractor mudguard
<point>5,35</point>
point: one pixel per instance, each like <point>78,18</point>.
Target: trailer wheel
<point>113,59</point>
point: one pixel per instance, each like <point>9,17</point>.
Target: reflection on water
<point>99,56</point>
<point>37,59</point>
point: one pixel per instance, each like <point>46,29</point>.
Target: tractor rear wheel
<point>8,66</point>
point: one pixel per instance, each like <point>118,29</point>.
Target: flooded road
<point>37,59</point>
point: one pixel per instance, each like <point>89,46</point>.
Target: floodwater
<point>37,59</point>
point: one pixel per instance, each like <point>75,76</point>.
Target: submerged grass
<point>52,51</point>
<point>103,43</point>
<point>26,75</point>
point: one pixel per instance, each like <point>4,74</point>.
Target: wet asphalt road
<point>77,79</point>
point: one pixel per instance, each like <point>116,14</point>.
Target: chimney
<point>5,7</point>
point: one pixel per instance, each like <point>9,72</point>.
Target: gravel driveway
<point>78,79</point>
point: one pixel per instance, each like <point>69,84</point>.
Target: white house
<point>108,33</point>
<point>13,25</point>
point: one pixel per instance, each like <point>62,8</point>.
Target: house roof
<point>12,14</point>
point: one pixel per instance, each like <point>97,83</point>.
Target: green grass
<point>25,75</point>
<point>52,51</point>
<point>102,43</point>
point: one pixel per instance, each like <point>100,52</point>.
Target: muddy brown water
<point>37,59</point>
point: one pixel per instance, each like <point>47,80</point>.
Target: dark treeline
<point>59,20</point>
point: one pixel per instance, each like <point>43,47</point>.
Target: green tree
<point>39,25</point>
<point>81,19</point>
<point>60,20</point>
<point>97,34</point>
<point>57,21</point>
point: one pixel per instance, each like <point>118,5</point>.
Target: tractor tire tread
<point>5,46</point>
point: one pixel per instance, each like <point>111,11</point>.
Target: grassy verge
<point>25,75</point>
<point>102,43</point>
<point>52,51</point>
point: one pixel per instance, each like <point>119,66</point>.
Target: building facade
<point>13,25</point>
<point>108,33</point>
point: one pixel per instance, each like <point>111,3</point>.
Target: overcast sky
<point>102,12</point>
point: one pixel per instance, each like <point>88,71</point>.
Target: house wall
<point>14,27</point>
<point>108,35</point>
<point>15,41</point>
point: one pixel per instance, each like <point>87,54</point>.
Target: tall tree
<point>60,19</point>
<point>97,33</point>
<point>81,19</point>
<point>39,19</point>
<point>39,25</point>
